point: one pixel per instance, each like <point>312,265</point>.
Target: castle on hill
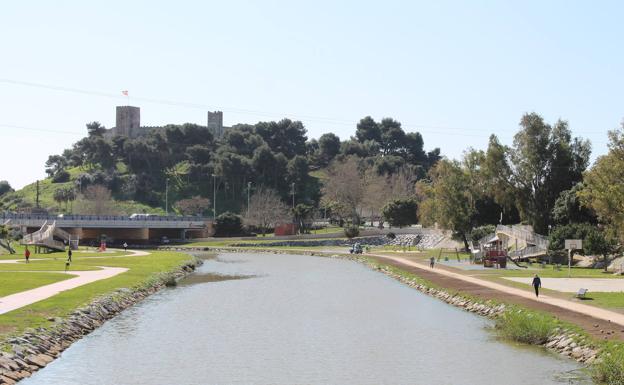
<point>128,123</point>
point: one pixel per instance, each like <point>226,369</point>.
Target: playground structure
<point>510,243</point>
<point>49,237</point>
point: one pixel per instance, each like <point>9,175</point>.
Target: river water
<point>299,320</point>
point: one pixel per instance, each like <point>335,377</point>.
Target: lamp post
<point>214,197</point>
<point>248,191</point>
<point>167,196</point>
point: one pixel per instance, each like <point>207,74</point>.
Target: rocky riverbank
<point>564,342</point>
<point>23,355</point>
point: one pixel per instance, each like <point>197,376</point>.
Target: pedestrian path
<point>25,298</point>
<point>591,311</point>
<point>28,297</point>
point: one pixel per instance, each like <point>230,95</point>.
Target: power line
<point>437,130</point>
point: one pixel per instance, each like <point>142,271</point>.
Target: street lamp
<point>214,197</point>
<point>248,190</point>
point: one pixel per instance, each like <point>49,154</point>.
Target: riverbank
<point>561,331</point>
<point>26,350</point>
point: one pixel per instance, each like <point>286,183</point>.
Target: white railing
<point>527,236</point>
<point>45,237</point>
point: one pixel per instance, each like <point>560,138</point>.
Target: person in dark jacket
<point>537,283</point>
<point>69,255</point>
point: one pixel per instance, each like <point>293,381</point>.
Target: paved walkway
<point>25,298</point>
<point>591,311</point>
<point>571,285</point>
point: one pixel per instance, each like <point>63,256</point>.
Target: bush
<point>401,212</point>
<point>228,225</point>
<point>61,177</point>
<point>525,326</point>
<point>352,231</point>
<point>391,235</point>
<point>609,368</point>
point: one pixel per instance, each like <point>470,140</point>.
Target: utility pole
<point>214,197</point>
<point>248,191</point>
<point>167,196</point>
<point>293,196</point>
<point>37,200</point>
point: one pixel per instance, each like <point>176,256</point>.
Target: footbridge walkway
<point>142,227</point>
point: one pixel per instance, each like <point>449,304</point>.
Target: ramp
<point>44,237</point>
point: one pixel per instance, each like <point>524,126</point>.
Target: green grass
<point>525,326</point>
<point>46,196</point>
<point>11,283</point>
<point>605,299</point>
<point>141,270</point>
<point>609,369</point>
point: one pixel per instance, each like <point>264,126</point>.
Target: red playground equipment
<point>495,255</point>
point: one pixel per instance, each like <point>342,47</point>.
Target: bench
<point>581,293</point>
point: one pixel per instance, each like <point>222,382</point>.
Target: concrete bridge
<point>121,228</point>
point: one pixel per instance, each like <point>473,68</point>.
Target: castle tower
<point>128,121</point>
<point>215,123</point>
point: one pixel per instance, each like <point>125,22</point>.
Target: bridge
<point>122,228</point>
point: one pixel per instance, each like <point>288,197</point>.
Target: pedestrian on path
<point>125,245</point>
<point>431,262</point>
<point>69,255</point>
<point>27,254</point>
<point>537,283</point>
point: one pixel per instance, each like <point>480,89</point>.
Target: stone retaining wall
<point>36,348</point>
<point>565,342</point>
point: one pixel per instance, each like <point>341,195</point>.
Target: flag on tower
<point>125,93</point>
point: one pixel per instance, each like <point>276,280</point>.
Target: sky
<point>456,71</point>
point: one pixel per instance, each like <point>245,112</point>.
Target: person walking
<point>431,262</point>
<point>125,245</point>
<point>537,283</point>
<point>69,255</point>
<point>27,254</point>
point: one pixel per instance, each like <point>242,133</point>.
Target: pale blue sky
<point>454,70</point>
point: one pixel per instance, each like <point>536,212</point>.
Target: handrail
<point>528,236</point>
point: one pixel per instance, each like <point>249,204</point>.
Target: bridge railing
<point>164,218</point>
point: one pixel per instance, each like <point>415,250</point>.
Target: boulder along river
<point>293,319</point>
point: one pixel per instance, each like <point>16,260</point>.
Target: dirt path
<point>597,322</point>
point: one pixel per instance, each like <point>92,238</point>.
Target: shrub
<point>228,224</point>
<point>61,177</point>
<point>391,235</point>
<point>352,231</point>
<point>525,326</point>
<point>609,368</point>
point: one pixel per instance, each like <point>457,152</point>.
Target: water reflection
<point>301,320</point>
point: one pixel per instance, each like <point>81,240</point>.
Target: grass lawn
<point>614,301</point>
<point>142,269</point>
<point>12,282</point>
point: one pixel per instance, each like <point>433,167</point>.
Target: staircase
<point>44,237</point>
<point>530,244</point>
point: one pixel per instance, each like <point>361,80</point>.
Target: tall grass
<point>526,326</point>
<point>609,368</point>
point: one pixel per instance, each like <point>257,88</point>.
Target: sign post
<point>571,245</point>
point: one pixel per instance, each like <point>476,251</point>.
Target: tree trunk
<point>465,242</point>
<point>605,259</point>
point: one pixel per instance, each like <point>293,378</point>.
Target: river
<point>299,320</point>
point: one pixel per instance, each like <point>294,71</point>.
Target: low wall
<point>35,349</point>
